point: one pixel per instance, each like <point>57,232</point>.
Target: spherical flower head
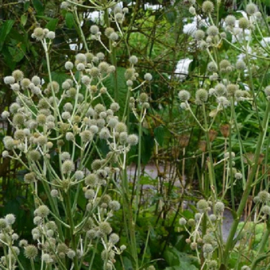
<point>47,258</point>
<point>264,196</point>
<point>19,134</point>
<point>53,87</point>
<point>80,67</point>
<point>207,248</point>
<point>5,154</point>
<point>148,77</point>
<point>267,91</point>
<point>245,267</point>
<point>133,60</point>
<point>103,67</point>
<point>114,205</point>
<point>10,219</point>
<point>114,107</point>
<point>199,35</point>
<point>132,139</point>
<point>207,7</point>
<point>143,97</point>
<point>251,9</point>
<point>99,108</point>
<point>30,252</point>
<point>96,164</point>
<point>65,156</point>
<point>120,127</point>
<point>240,65</point>
<point>130,74</point>
<point>69,65</point>
<point>100,55</point>
<point>104,134</point>
<point>230,20</point>
<point>18,119</point>
<point>17,75</point>
<point>202,205</point>
<point>50,35</point>
<point>108,31</point>
<point>201,95</point>
<point>184,95</point>
<point>114,36</point>
<point>266,210</point>
<point>89,194</point>
<point>3,223</point>
<point>71,253</point>
<point>34,155</point>
<point>114,238</point>
<point>9,80</point>
<point>70,136</point>
<point>5,114</point>
<point>79,175</point>
<point>212,31</point>
<point>29,177</point>
<point>42,211</point>
<point>212,67</point>
<point>93,129</point>
<point>86,136</point>
<point>68,166</point>
<point>182,221</point>
<point>91,180</point>
<point>243,23</point>
<point>54,193</point>
<point>38,33</point>
<point>105,227</point>
<point>219,207</point>
<point>42,140</point>
<point>220,89</point>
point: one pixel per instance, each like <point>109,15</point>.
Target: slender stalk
<point>260,141</point>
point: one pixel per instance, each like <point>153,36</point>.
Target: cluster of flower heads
<point>207,242</point>
<point>46,118</point>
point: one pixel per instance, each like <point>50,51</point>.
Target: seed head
<point>202,205</point>
<point>201,95</point>
<point>34,155</point>
<point>38,33</point>
<point>89,194</point>
<point>86,136</point>
<point>148,77</point>
<point>91,180</point>
<point>10,219</point>
<point>212,67</point>
<point>207,248</point>
<point>207,7</point>
<point>120,127</point>
<point>68,65</point>
<point>244,23</point>
<point>132,139</point>
<point>219,207</point>
<point>230,20</point>
<point>96,164</point>
<point>30,252</point>
<point>220,89</point>
<point>212,31</point>
<point>17,75</point>
<point>9,80</point>
<point>105,227</point>
<point>251,9</point>
<point>199,35</point>
<point>184,95</point>
<point>264,196</point>
<point>240,65</point>
<point>104,134</point>
<point>42,211</point>
<point>182,221</point>
<point>68,166</point>
<point>18,119</point>
<point>266,210</point>
<point>29,178</point>
<point>70,136</point>
<point>114,205</point>
<point>267,91</point>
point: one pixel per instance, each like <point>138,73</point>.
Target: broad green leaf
<point>159,133</point>
<point>4,31</point>
<point>51,25</point>
<point>23,19</point>
<point>117,82</point>
<point>69,20</point>
<point>38,6</point>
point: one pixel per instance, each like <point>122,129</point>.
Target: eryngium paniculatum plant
<point>56,132</point>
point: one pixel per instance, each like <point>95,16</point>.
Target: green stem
<point>230,244</point>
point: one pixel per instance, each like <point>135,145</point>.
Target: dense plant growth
<point>102,100</point>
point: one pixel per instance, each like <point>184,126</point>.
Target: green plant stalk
<point>128,218</point>
<point>72,227</point>
<point>263,242</point>
<point>229,244</point>
<point>210,162</point>
<point>139,167</point>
